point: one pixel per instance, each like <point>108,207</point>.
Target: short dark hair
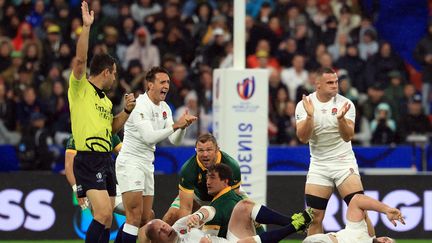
<point>203,138</point>
<point>151,74</point>
<point>101,62</point>
<point>224,171</point>
<point>324,70</point>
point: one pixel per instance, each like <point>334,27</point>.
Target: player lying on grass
<point>356,230</point>
<point>241,228</point>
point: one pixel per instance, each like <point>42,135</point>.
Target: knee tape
<point>348,197</point>
<point>316,202</point>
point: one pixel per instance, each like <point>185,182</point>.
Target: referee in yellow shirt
<point>92,127</point>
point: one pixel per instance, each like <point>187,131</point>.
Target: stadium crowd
<point>190,38</point>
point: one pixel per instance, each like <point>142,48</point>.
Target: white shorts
<point>231,237</point>
<point>135,175</point>
<point>318,238</point>
<point>234,239</point>
<point>330,173</point>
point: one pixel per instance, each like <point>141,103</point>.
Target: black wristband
<point>127,112</point>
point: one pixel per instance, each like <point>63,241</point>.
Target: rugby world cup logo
<point>246,88</point>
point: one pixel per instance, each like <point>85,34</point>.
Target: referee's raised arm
<point>79,66</point>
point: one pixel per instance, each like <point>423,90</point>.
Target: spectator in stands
<point>110,39</point>
<point>345,87</point>
<point>357,33</point>
<point>201,18</point>
<point>354,65</point>
<point>258,39</point>
<point>295,76</point>
<point>408,91</point>
<point>5,53</point>
<point>34,149</point>
<point>286,51</point>
<point>339,48</point>
<point>29,104</point>
<point>394,92</point>
<point>368,46</point>
<point>415,122</point>
<point>36,15</point>
<point>205,97</point>
<point>383,127</point>
<point>286,124</point>
<point>7,117</point>
<point>308,87</point>
<point>110,10</point>
<point>375,95</point>
<point>423,55</point>
<point>32,55</point>
<point>347,20</point>
<point>192,106</point>
<point>11,72</point>
<point>325,60</point>
<point>362,131</point>
<point>46,87</point>
<point>306,39</point>
<point>382,63</point>
<point>275,83</point>
<point>143,50</point>
<point>329,30</point>
<point>180,85</point>
<point>175,44</point>
<point>51,47</point>
<point>191,6</point>
<point>263,46</point>
<point>127,31</point>
<point>24,34</point>
<point>315,55</point>
<point>215,50</point>
<point>140,9</point>
<point>228,59</point>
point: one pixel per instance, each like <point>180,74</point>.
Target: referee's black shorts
<point>94,170</point>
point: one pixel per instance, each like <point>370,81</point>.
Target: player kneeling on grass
<point>241,227</point>
<point>356,230</point>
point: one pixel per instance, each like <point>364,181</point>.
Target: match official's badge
<point>164,115</point>
<point>334,111</point>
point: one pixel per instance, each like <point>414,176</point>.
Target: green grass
<point>80,241</point>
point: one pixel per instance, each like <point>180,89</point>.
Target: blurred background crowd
<point>190,38</point>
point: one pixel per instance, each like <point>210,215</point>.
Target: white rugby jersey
<point>326,142</point>
<point>354,232</point>
<point>194,235</point>
<point>147,125</point>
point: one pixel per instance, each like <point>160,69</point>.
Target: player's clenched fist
<point>129,102</point>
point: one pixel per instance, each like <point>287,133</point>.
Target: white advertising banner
<point>240,117</point>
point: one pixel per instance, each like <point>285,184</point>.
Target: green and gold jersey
<point>224,203</point>
<point>91,116</point>
<point>193,175</point>
<point>115,141</point>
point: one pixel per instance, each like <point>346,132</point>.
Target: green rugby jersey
<point>115,141</point>
<point>224,203</point>
<point>91,116</point>
<point>193,175</point>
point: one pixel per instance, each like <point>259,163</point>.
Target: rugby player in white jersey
<point>241,228</point>
<point>149,123</point>
<point>356,230</point>
<point>325,120</point>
